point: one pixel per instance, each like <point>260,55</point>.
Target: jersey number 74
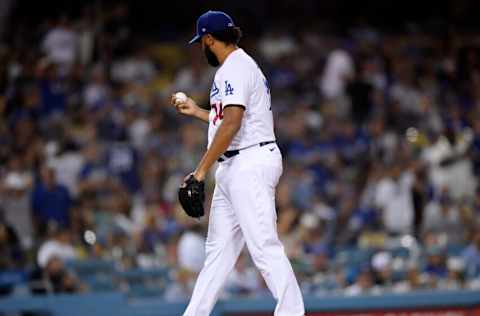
<point>218,108</point>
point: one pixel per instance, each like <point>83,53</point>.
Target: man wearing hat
<point>241,138</point>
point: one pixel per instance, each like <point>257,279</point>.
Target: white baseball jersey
<point>243,204</point>
<point>239,81</point>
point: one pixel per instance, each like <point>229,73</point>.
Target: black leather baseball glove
<point>191,195</point>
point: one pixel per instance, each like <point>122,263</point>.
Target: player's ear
<point>209,40</point>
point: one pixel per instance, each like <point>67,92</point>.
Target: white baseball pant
<point>243,211</point>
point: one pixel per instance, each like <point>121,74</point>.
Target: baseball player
<point>242,140</point>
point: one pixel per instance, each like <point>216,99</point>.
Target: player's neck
<point>226,52</point>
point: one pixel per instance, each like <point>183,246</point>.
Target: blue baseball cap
<point>211,22</point>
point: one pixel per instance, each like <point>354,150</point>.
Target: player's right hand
<point>188,107</point>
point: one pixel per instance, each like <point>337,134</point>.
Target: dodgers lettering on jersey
<point>239,81</point>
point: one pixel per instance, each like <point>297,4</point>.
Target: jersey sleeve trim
<point>236,105</point>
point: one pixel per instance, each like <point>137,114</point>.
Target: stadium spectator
<point>59,246</point>
<point>382,269</point>
<point>436,265</point>
<point>151,235</point>
<point>122,162</point>
<point>450,166</point>
<point>394,198</point>
<point>66,160</point>
<point>442,216</point>
<point>12,255</point>
<point>339,69</point>
<point>456,278</point>
<point>54,278</point>
<point>363,285</point>
<point>415,280</point>
<point>53,90</point>
<point>471,256</point>
<point>60,43</point>
<point>15,201</point>
<point>93,177</point>
<point>97,92</point>
<point>191,253</point>
<point>51,201</point>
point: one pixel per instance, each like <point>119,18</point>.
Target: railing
<point>456,303</point>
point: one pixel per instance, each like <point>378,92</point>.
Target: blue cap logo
<point>211,22</point>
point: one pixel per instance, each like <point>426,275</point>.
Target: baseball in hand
<point>180,97</point>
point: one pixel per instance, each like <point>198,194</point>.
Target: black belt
<point>231,153</point>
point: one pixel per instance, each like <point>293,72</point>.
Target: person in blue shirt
<point>52,92</point>
<point>471,255</point>
<point>51,201</point>
<point>436,265</point>
<point>122,163</point>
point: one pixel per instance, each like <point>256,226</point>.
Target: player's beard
<point>211,58</point>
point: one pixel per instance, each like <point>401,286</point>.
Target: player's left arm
<point>232,120</point>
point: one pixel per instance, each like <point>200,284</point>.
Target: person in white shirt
<point>338,72</point>
<point>339,69</point>
<point>59,247</point>
<point>394,197</point>
<point>60,44</point>
<point>241,138</point>
<point>190,250</point>
<point>449,164</point>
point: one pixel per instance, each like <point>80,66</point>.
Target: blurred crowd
<point>380,135</point>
